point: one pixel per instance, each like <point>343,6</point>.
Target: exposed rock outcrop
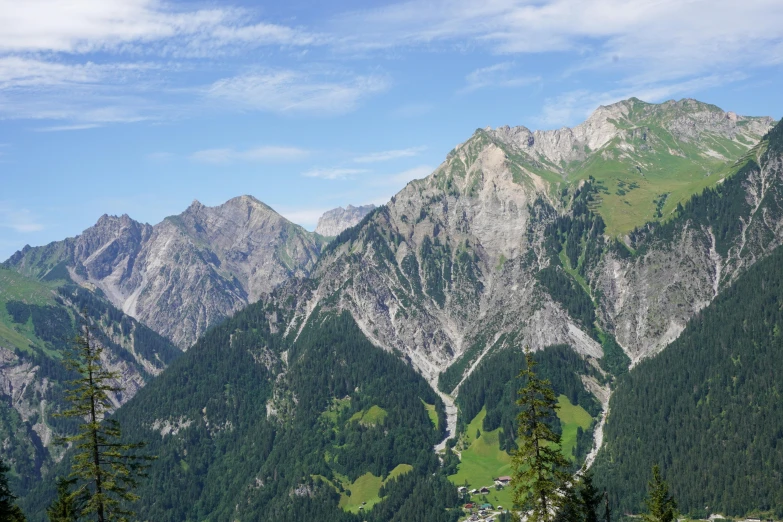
<point>336,220</point>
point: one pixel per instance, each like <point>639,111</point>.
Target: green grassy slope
<point>659,156</point>
<point>482,460</point>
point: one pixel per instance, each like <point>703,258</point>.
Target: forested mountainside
<point>37,322</point>
<point>500,248</point>
<point>257,422</point>
<point>463,267</point>
<point>186,273</point>
<point>708,409</point>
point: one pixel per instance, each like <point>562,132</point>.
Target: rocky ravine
<point>336,220</point>
<point>188,272</point>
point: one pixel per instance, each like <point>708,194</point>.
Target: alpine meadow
<point>577,324</point>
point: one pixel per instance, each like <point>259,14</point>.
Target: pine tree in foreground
<point>9,511</point>
<point>540,469</point>
<point>105,468</point>
<point>661,506</point>
<point>65,507</point>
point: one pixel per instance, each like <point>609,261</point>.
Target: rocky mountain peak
<point>334,221</point>
<point>686,119</point>
<point>187,272</point>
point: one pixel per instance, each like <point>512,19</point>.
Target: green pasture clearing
<point>372,416</point>
<point>482,460</point>
<point>364,490</point>
<point>432,413</point>
<point>16,287</point>
<point>571,418</point>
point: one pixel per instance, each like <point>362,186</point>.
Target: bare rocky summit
<point>336,220</point>
<point>189,271</point>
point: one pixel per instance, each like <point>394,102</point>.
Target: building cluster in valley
<point>484,511</point>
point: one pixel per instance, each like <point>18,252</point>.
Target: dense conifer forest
<point>233,425</point>
<point>708,409</point>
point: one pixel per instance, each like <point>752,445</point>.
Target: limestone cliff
<point>336,220</point>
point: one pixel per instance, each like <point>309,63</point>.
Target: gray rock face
<point>446,272</point>
<point>188,272</point>
<point>647,300</point>
<point>447,268</point>
<point>336,220</point>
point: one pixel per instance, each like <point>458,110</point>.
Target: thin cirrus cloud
<point>574,106</point>
<point>388,155</point>
<point>257,154</point>
<point>82,26</point>
<point>498,75</point>
<point>291,91</point>
<point>333,173</point>
<point>142,43</point>
<point>666,39</point>
<point>19,220</point>
<point>406,176</point>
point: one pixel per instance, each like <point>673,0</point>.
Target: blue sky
<point>141,106</point>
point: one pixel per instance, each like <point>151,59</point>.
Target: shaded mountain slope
<point>37,322</point>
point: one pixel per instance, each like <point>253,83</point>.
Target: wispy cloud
<point>401,179</point>
<point>306,217</point>
<point>498,75</point>
<point>18,219</point>
<point>290,91</point>
<point>411,110</point>
<point>258,154</point>
<point>82,26</point>
<point>75,127</point>
<point>387,155</point>
<point>333,173</point>
<point>47,48</point>
<point>664,39</point>
<point>159,156</point>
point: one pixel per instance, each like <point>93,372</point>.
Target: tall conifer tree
<point>65,507</point>
<point>540,469</point>
<point>661,506</point>
<point>105,467</point>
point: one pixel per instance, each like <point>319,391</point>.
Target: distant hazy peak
<point>336,220</point>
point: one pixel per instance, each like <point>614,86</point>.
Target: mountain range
<point>597,247</point>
